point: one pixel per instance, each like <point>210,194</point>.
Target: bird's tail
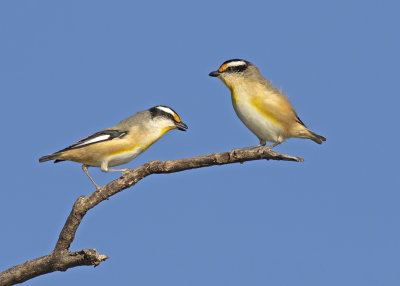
<point>303,132</point>
<point>316,137</point>
<point>49,157</point>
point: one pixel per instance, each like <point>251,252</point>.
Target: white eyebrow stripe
<point>236,64</point>
<point>166,109</point>
<point>94,140</point>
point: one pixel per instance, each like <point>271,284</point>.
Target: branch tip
<point>61,259</point>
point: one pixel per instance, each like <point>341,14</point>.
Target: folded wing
<point>100,136</point>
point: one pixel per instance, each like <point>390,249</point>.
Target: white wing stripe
<point>94,140</point>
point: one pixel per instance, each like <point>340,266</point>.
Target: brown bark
<point>61,259</point>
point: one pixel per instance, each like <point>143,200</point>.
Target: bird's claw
<point>126,172</point>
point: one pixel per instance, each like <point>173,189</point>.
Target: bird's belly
<point>266,129</point>
<point>124,157</point>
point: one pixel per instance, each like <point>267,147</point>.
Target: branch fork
<point>61,259</point>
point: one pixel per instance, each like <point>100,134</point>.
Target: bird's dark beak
<point>181,126</point>
<point>214,73</point>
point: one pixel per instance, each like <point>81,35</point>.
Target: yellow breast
<point>256,97</point>
<point>259,105</point>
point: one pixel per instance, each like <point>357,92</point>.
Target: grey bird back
<point>136,119</point>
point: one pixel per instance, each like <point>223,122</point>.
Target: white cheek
<point>227,79</point>
<point>161,123</point>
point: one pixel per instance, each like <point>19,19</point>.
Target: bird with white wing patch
<point>121,143</point>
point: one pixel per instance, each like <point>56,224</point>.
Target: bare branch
<point>61,259</point>
<point>50,263</point>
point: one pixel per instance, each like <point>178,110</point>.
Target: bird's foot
<point>126,171</point>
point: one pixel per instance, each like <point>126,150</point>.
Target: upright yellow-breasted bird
<point>264,109</point>
<point>121,143</point>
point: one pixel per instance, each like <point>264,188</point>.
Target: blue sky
<point>71,68</point>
